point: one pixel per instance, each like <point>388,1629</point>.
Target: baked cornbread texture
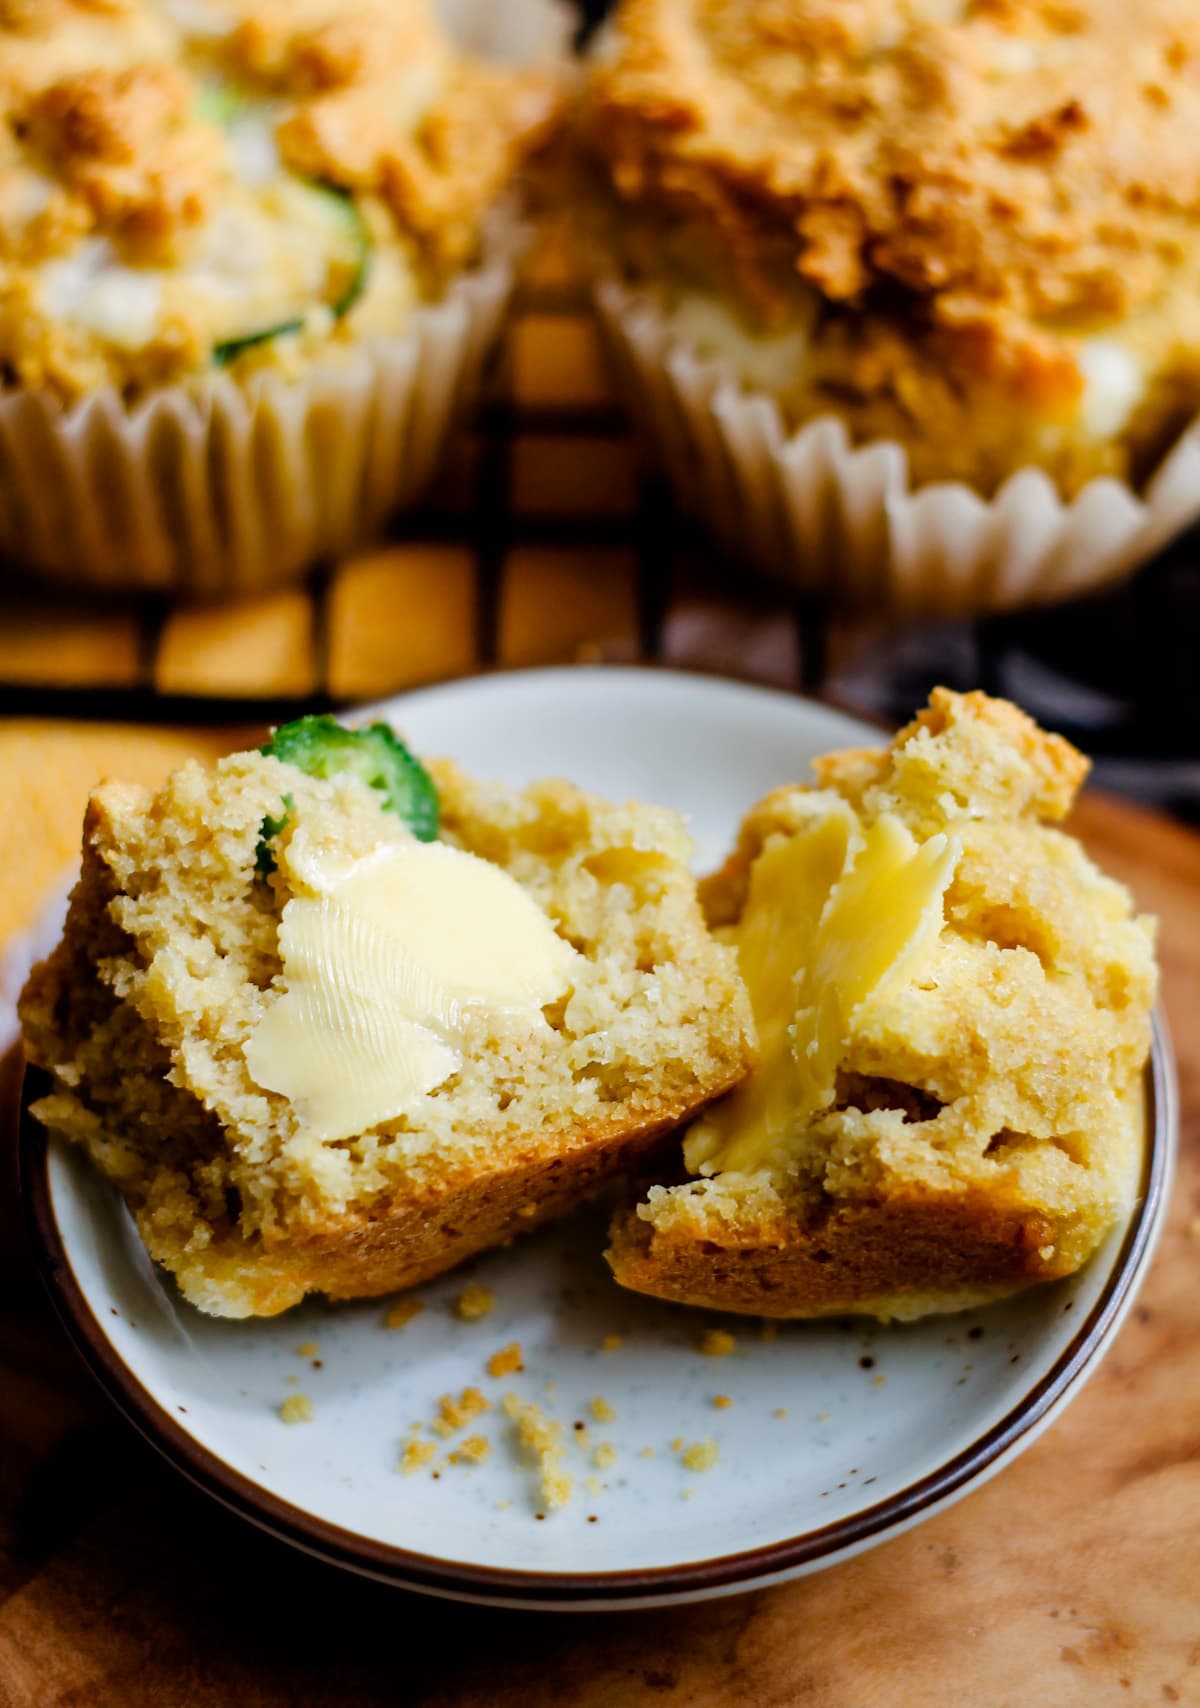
<point>171,959</point>
<point>971,228</point>
<point>236,181</point>
<point>950,1102</point>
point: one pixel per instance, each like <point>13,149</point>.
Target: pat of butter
<point>383,966</point>
<point>835,915</point>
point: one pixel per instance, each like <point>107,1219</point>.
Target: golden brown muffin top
<point>177,138</point>
<point>962,758</point>
<point>103,99</point>
<point>998,158</point>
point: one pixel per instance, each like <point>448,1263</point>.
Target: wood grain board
<point>1071,1581</point>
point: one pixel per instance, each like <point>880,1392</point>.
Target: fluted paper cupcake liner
<point>219,485</point>
<point>827,517</point>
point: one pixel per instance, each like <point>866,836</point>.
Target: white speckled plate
<point>836,1435</point>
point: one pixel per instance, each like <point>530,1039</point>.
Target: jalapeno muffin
<point>953,1007</point>
<point>331,1022</point>
<point>969,229</point>
<point>240,272</point>
<point>964,237</point>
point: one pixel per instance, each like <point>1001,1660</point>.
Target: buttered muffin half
<point>332,1023</point>
<point>953,1008</point>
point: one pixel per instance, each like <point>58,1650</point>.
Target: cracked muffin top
<point>1036,157</point>
<point>965,226</point>
<point>190,182</point>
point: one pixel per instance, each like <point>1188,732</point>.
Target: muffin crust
<point>259,180</point>
<point>971,192</point>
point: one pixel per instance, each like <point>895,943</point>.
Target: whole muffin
<point>967,230</point>
<point>243,273</point>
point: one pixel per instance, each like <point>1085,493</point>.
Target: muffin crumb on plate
<point>474,1302</point>
<point>508,1361</point>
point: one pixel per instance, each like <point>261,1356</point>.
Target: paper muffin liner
<point>826,517</point>
<point>219,485</point>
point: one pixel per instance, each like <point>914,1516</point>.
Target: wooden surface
<point>1072,1579</point>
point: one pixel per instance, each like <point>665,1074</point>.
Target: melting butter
<point>383,966</point>
<point>835,916</point>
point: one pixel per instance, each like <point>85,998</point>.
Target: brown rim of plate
<point>409,1570</point>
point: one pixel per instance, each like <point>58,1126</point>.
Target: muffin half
<point>317,1053</point>
<point>953,1009</point>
